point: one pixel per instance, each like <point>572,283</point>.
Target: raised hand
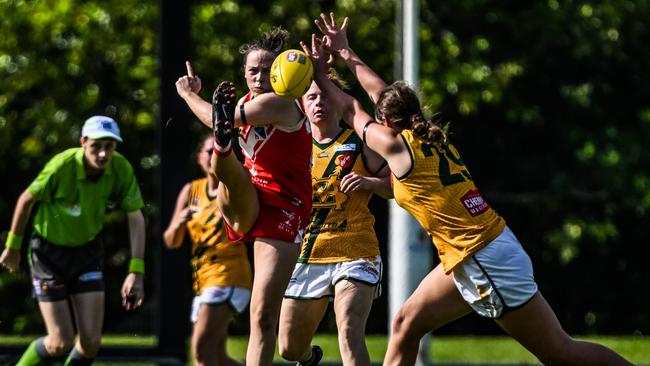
<point>318,53</point>
<point>189,83</point>
<point>338,38</point>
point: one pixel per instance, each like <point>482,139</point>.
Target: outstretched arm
<point>267,109</point>
<point>339,46</point>
<point>383,140</point>
<point>188,88</point>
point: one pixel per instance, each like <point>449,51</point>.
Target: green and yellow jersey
<point>341,226</point>
<point>216,260</point>
<point>440,193</point>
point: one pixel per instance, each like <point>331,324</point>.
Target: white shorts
<point>236,297</point>
<point>315,281</point>
<point>498,278</point>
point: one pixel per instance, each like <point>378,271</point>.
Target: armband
<point>14,241</point>
<point>242,115</point>
<point>136,265</point>
<point>365,128</point>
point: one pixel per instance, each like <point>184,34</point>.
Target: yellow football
<point>291,74</point>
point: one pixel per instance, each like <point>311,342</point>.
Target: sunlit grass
<point>444,349</point>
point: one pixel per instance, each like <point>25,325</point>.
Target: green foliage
<point>459,350</point>
<point>60,63</point>
<point>220,28</point>
<point>548,102</point>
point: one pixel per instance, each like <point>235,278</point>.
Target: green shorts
<point>60,271</point>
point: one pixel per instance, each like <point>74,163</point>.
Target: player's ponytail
<point>400,106</point>
<point>429,131</point>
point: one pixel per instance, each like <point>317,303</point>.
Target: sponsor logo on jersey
<point>324,155</point>
<point>474,202</point>
<point>259,181</point>
<point>73,210</point>
<point>345,147</point>
<point>344,161</point>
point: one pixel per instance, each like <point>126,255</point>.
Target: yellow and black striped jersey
<point>216,260</point>
<point>440,193</point>
<point>341,225</point>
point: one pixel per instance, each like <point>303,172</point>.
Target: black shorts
<point>59,271</point>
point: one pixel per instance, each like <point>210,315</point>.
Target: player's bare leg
<point>536,327</point>
<point>236,197</point>
<point>210,335</point>
<point>89,316</point>
<point>352,304</point>
<point>274,261</point>
<point>299,321</point>
<point>60,329</point>
<point>434,303</point>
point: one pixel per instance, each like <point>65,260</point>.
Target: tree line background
<point>547,100</point>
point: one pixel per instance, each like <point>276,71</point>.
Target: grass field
<point>460,350</point>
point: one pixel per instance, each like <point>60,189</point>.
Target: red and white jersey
<point>279,161</point>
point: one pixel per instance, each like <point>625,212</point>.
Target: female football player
<point>268,200</point>
<point>483,266</point>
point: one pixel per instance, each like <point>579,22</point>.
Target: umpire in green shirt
<point>74,190</point>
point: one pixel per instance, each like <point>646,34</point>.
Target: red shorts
<point>286,224</point>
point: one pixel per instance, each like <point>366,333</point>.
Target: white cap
<point>99,127</point>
